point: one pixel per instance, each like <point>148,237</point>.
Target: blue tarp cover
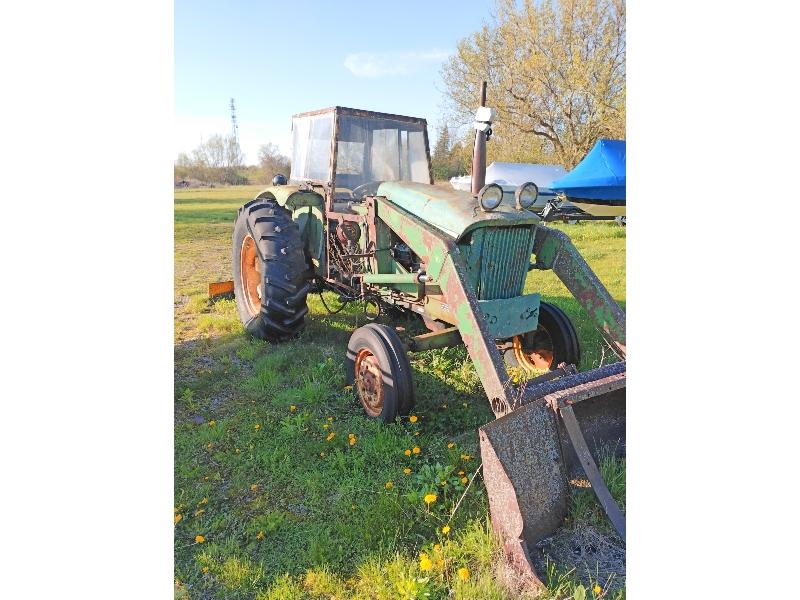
<point>599,176</point>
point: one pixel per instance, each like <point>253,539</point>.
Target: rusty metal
<point>592,472</point>
<point>529,455</point>
<point>532,356</point>
<point>217,289</point>
<point>369,382</point>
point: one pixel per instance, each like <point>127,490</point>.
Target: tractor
<point>360,216</point>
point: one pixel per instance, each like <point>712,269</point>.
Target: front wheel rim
<point>369,382</point>
<point>537,355</point>
<point>250,269</point>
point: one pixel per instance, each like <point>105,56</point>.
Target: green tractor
<point>360,216</point>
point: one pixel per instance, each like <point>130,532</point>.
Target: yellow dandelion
<point>464,480</point>
<point>450,445</point>
<point>292,408</point>
<point>199,539</point>
<point>466,457</point>
<point>205,478</point>
<point>212,423</point>
<point>204,500</point>
<point>347,388</point>
<point>205,569</point>
<point>440,563</point>
<point>352,440</point>
<point>597,589</point>
<point>443,483</point>
<point>461,473</point>
<point>407,471</point>
<point>199,512</point>
<point>331,435</point>
<point>407,452</point>
<point>325,426</point>
<point>446,529</point>
<point>260,535</point>
<point>178,518</point>
<point>257,426</point>
<point>330,419</point>
<point>437,547</point>
<point>254,487</point>
<point>416,450</point>
<point>413,418</point>
<point>425,563</point>
<point>210,446</point>
<point>463,573</point>
<point>388,485</point>
<point>429,499</point>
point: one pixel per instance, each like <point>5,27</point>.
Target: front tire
<point>554,341</point>
<point>378,368</point>
<point>269,271</point>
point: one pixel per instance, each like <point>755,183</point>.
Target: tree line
<point>219,160</point>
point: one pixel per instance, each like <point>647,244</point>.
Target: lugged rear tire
<point>270,274</point>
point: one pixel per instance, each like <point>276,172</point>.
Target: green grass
<point>286,512</point>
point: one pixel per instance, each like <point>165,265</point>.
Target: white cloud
<point>381,64</point>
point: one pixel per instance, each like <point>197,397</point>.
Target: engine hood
<point>451,211</point>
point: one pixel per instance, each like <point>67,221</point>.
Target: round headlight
<point>490,196</point>
<point>526,195</point>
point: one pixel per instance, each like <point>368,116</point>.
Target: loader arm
<point>554,250</point>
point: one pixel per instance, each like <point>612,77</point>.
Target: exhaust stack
<point>483,130</point>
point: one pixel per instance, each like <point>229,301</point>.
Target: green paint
<point>450,211</point>
<point>506,318</point>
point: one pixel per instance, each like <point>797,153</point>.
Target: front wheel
<point>378,368</point>
<point>554,341</point>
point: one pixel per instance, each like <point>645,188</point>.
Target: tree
<point>556,76</point>
<point>216,160</point>
<point>440,160</point>
<point>272,161</point>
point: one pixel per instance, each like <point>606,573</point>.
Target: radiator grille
<point>497,260</point>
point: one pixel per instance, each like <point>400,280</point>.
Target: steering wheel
<point>370,187</point>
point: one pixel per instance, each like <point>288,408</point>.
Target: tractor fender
<point>308,209</point>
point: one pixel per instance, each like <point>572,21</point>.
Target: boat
<point>597,184</point>
<point>510,175</point>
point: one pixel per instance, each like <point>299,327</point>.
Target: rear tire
<point>554,341</point>
<point>270,275</point>
<point>378,368</point>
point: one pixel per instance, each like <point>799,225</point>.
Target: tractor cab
<point>353,151</point>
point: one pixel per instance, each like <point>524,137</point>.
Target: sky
<point>280,58</point>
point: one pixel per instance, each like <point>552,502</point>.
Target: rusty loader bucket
<point>555,433</point>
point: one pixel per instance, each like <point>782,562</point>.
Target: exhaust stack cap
<point>483,118</point>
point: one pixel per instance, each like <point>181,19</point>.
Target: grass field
<point>283,489</point>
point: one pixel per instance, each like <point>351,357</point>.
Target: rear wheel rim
<point>369,382</point>
<point>250,269</point>
<point>536,352</point>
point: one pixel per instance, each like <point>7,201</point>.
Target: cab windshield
<point>371,150</point>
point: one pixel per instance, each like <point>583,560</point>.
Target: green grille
<point>497,260</point>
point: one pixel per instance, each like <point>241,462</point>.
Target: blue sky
<point>281,58</point>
